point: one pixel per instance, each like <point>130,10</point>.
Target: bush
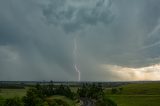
<point>64,91</point>
<point>105,102</point>
<point>114,90</point>
<point>32,98</point>
<point>50,90</point>
<point>120,90</point>
<point>90,91</point>
<point>58,102</point>
<point>13,102</point>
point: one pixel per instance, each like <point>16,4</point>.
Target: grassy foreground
<point>146,94</point>
<point>136,100</point>
<point>10,93</point>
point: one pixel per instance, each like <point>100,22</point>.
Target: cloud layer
<point>37,37</point>
<point>73,15</point>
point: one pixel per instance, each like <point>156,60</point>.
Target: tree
<point>38,86</point>
<point>46,90</point>
<point>90,91</point>
<point>51,88</point>
<point>13,102</point>
<point>120,89</point>
<point>82,92</point>
<point>32,98</point>
<point>114,91</point>
<point>65,91</point>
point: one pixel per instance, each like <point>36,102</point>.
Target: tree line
<point>36,96</point>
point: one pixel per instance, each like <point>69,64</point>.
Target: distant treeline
<point>22,84</point>
<point>12,86</point>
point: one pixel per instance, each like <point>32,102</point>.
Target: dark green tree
<point>33,98</point>
<point>114,90</point>
<point>51,88</point>
<point>65,91</point>
<point>13,102</point>
<point>38,86</point>
<point>120,89</point>
<point>90,91</point>
<point>82,92</point>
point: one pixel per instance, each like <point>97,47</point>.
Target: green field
<point>133,100</point>
<point>9,93</point>
<point>1,101</point>
<point>146,94</point>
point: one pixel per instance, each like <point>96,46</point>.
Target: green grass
<point>133,100</point>
<point>139,89</point>
<point>146,94</point>
<point>1,101</point>
<point>9,93</point>
<point>63,98</point>
<point>74,89</point>
<point>142,89</point>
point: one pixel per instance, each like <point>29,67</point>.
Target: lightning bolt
<point>75,58</point>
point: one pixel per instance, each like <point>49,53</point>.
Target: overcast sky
<point>115,40</point>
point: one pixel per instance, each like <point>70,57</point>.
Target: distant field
<point>9,93</point>
<point>146,94</point>
<point>145,88</point>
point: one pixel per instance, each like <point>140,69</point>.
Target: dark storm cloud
<point>123,41</point>
<point>73,15</point>
<point>39,47</point>
<point>36,37</point>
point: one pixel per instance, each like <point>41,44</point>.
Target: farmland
<point>132,94</point>
<point>136,100</point>
<point>145,94</point>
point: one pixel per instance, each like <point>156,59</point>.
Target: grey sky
<point>37,38</point>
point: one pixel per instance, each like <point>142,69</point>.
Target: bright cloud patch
<point>145,73</point>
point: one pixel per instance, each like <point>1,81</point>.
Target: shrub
<point>13,102</point>
<point>114,91</point>
<point>105,102</point>
<point>32,98</point>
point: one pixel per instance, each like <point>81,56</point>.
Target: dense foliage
<point>96,94</point>
<point>13,102</point>
<point>49,90</point>
<point>43,95</point>
<point>90,91</point>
